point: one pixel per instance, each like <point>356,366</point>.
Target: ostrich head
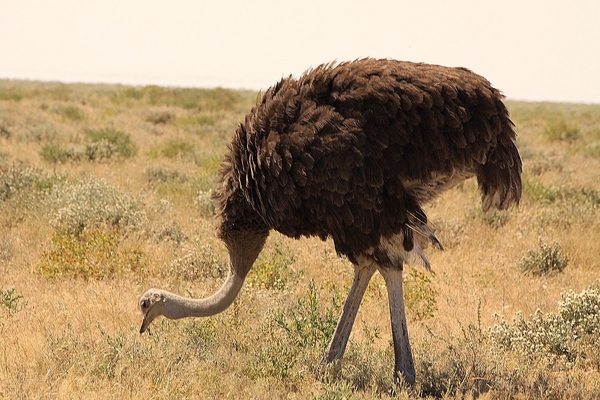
<point>243,249</point>
<point>152,304</point>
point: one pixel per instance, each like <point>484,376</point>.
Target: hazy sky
<point>531,50</point>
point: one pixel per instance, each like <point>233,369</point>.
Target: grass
<point>105,191</point>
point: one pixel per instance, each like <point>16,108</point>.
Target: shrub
<point>93,254</point>
<point>206,203</point>
<point>99,151</point>
<point>72,113</point>
<point>173,148</point>
<point>159,173</point>
<point>55,153</point>
<point>160,117</point>
<point>196,264</point>
<point>198,120</point>
<point>92,204</point>
<point>273,271</point>
<point>17,178</point>
<point>109,141</point>
<point>572,334</point>
<point>561,130</point>
<point>4,131</point>
<point>548,260</point>
<point>11,301</point>
<point>549,195</point>
<point>6,250</point>
<point>419,295</point>
<point>496,219</point>
<point>307,324</point>
<point>203,99</point>
<point>173,232</point>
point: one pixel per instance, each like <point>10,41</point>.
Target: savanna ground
<point>105,191</point>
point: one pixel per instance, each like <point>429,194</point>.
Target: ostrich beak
<point>145,323</point>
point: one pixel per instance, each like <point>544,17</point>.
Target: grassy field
<point>105,191</point>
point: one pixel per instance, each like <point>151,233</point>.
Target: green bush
<point>92,254</point>
<point>55,153</point>
<point>420,295</point>
<point>11,301</point>
<point>272,271</point>
<point>295,334</point>
<point>173,148</point>
<point>72,113</point>
<point>560,130</point>
<point>109,141</point>
<point>548,260</point>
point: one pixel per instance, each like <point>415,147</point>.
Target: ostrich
<point>352,151</point>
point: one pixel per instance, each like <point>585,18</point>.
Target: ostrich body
<point>352,151</point>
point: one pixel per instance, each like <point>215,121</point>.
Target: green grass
<point>173,148</point>
<point>11,301</point>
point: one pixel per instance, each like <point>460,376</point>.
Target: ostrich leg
<point>404,366</point>
<point>362,275</point>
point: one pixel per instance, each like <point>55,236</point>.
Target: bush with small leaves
<point>19,177</point>
<point>90,204</point>
<point>420,295</point>
<point>160,173</point>
<point>549,260</point>
<point>272,271</point>
<point>11,301</point>
<point>560,130</point>
<point>54,153</point>
<point>201,263</point>
<point>572,334</point>
<point>108,142</point>
<point>92,254</point>
<point>308,325</point>
<point>72,113</point>
<point>160,117</point>
<point>174,148</point>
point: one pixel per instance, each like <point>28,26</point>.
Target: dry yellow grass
<point>68,337</point>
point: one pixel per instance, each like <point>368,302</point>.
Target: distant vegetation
<point>106,191</point>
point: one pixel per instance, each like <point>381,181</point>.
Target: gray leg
<point>404,366</point>
<point>362,275</point>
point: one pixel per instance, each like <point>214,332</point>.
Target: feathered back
<point>332,153</point>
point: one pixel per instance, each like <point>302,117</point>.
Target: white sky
<point>529,49</point>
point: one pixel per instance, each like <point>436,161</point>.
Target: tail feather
<point>499,178</point>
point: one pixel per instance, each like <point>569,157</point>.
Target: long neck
<point>181,307</point>
<point>243,249</point>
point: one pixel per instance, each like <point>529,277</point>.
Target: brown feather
<point>352,151</point>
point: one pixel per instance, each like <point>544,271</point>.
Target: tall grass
<point>106,191</point>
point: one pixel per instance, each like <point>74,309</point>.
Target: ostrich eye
<point>144,304</point>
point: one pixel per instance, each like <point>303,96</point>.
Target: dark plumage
<point>352,151</point>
